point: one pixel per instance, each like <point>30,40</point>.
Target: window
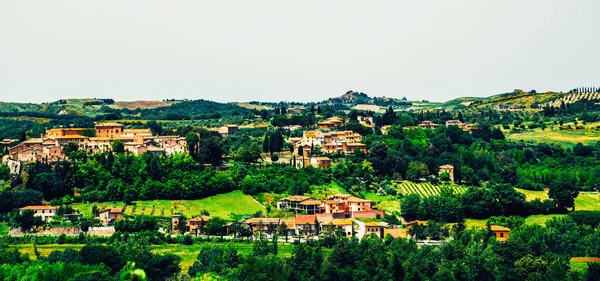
<point>501,234</point>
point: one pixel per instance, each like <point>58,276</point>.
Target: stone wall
<point>71,231</point>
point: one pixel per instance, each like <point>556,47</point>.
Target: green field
<point>569,138</point>
<point>387,203</point>
<point>221,205</point>
<point>585,201</point>
<point>187,253</point>
<point>425,189</point>
<point>535,219</point>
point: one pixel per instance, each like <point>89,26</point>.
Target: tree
<point>274,158</point>
<point>215,226</point>
<point>118,147</point>
<point>181,225</point>
<point>416,170</point>
<point>26,220</point>
<point>211,151</point>
<point>563,192</point>
<point>282,229</point>
<point>409,206</point>
<point>191,141</point>
<point>445,176</point>
<point>70,148</point>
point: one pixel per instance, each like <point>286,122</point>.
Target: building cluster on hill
<point>50,146</point>
<point>329,142</point>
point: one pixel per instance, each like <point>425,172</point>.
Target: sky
<point>294,50</point>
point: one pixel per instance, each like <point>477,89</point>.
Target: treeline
<point>125,177</point>
<point>531,253</point>
<point>192,110</point>
<point>477,202</point>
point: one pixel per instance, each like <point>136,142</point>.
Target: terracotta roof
<point>396,232</point>
<point>356,144</point>
<point>72,137</point>
<point>265,221</point>
<point>40,207</point>
<point>112,210</point>
<point>356,199</point>
<point>373,224</point>
<point>417,221</point>
<point>311,202</point>
<point>108,124</point>
<point>322,158</point>
<point>205,218</point>
<point>499,228</point>
<point>310,219</point>
<point>341,222</point>
<point>147,130</point>
<point>446,166</point>
<point>296,198</point>
<point>340,195</point>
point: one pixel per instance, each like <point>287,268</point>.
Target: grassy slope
<point>387,203</point>
<point>221,205</point>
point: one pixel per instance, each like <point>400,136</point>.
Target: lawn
<point>585,201</point>
<point>187,253</point>
<point>387,203</point>
<point>535,219</point>
<point>220,205</point>
<point>532,195</point>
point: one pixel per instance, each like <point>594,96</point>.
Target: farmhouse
<point>374,228</point>
<point>300,204</point>
<point>197,224</point>
<point>110,216</point>
<point>501,233</point>
<point>44,212</point>
<point>320,162</point>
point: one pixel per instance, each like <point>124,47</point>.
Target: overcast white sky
<point>294,50</point>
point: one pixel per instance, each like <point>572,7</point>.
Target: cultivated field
<point>221,205</point>
<point>425,189</point>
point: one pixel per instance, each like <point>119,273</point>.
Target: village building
<point>409,225</point>
<point>395,232</point>
<point>300,204</point>
<point>110,215</point>
<point>44,212</point>
<point>175,219</point>
<point>227,130</point>
<point>455,123</point>
<point>197,225</point>
<point>428,125</point>
<point>262,225</point>
<point>501,233</point>
<point>109,130</point>
<point>374,228</point>
<point>320,162</point>
<point>346,226</point>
